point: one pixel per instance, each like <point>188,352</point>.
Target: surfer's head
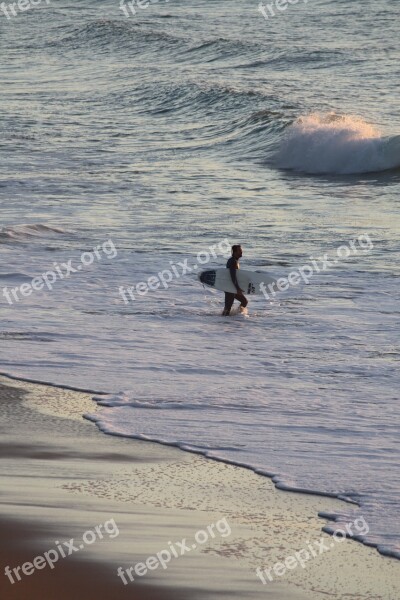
<point>237,251</point>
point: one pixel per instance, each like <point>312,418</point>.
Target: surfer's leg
<point>242,299</point>
<point>229,299</point>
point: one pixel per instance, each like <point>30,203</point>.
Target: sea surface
<point>142,141</point>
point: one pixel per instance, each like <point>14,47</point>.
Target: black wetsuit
<point>233,266</point>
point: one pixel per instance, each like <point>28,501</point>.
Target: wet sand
<point>60,477</point>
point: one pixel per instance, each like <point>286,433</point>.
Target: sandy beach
<point>159,159</point>
<point>61,478</point>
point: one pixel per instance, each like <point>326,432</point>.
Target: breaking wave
<point>333,143</point>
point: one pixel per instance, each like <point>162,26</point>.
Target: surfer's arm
<point>233,271</point>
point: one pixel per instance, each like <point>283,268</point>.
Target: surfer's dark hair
<point>235,247</point>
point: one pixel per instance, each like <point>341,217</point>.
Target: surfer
<point>233,266</point>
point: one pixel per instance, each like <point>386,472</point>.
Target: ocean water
<point>128,146</point>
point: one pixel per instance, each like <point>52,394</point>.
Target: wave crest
<point>340,144</point>
<point>24,232</point>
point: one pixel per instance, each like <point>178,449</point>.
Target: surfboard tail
<point>208,278</point>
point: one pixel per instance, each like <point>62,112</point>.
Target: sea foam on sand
<point>162,493</point>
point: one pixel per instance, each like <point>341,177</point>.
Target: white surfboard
<point>249,281</point>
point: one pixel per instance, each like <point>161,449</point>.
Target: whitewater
<point>164,134</point>
<point>337,144</point>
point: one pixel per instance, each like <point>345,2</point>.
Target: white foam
<point>23,231</point>
<point>338,144</point>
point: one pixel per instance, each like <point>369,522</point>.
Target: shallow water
<point>167,132</point>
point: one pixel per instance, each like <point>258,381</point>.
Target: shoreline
<point>93,408</point>
<point>192,451</point>
<point>180,491</point>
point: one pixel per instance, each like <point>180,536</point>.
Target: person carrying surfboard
<point>233,266</point>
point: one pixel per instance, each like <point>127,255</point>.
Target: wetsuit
<point>233,265</point>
